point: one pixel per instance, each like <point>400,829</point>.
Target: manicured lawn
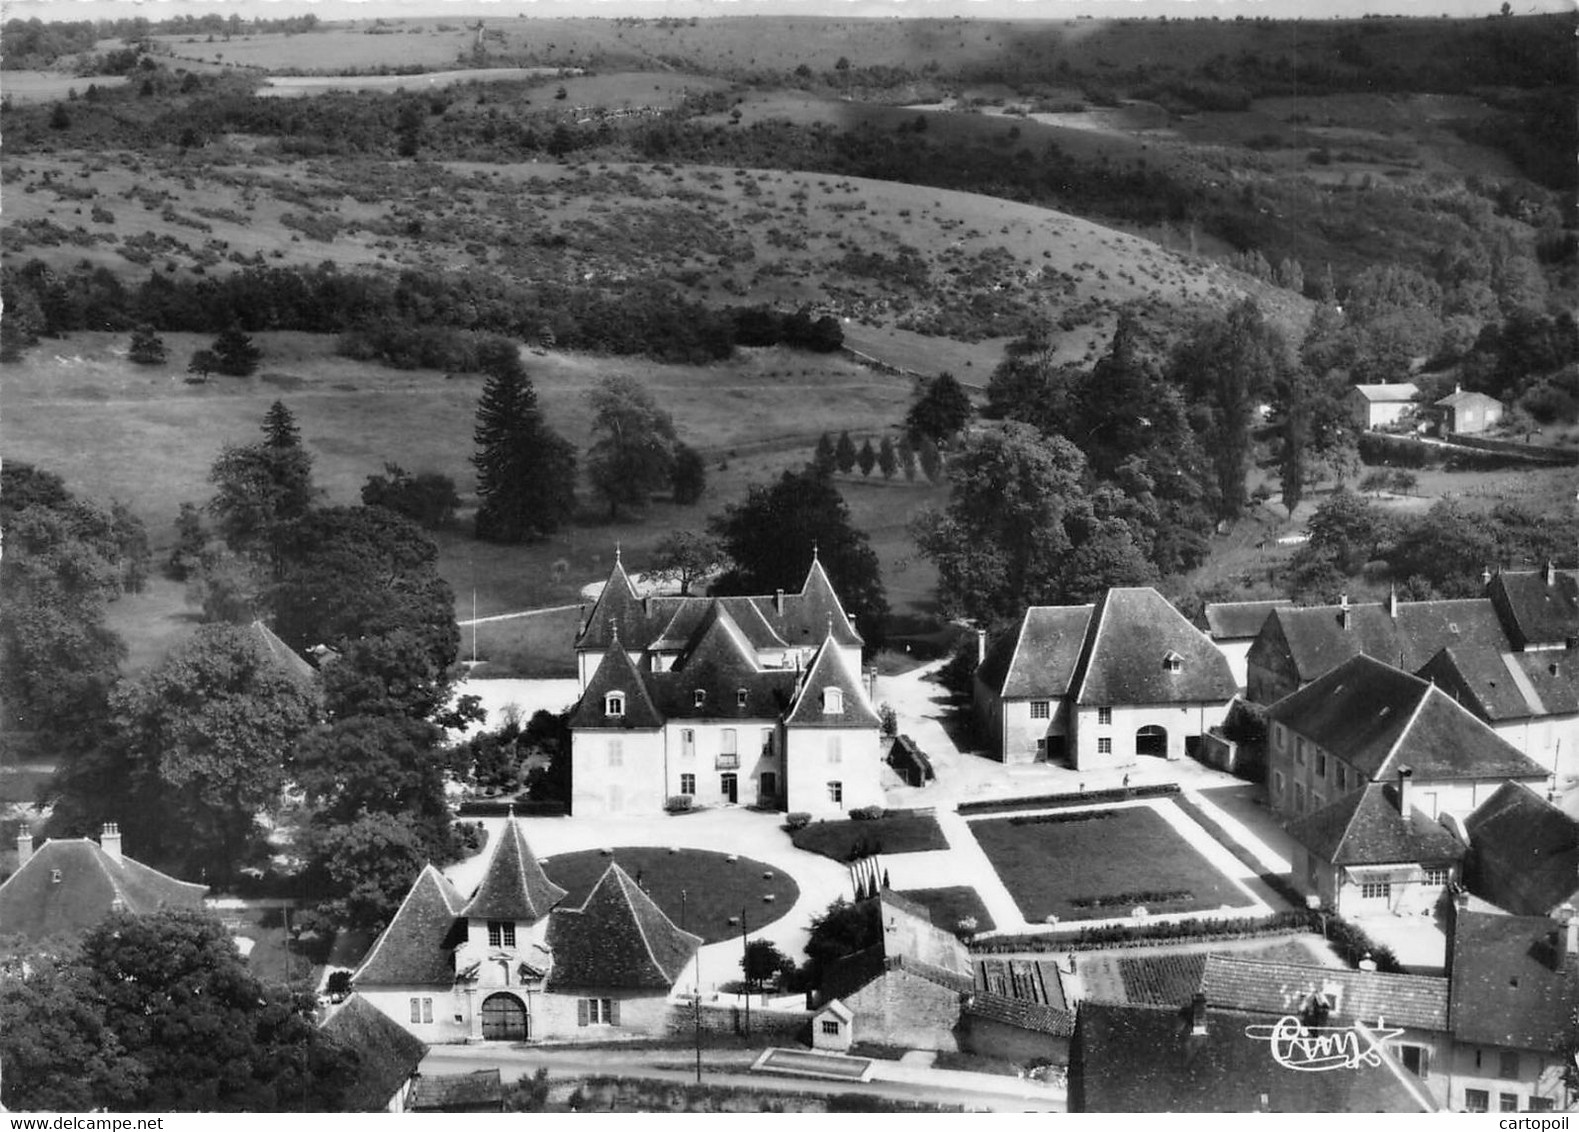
<point>539,645</point>
<point>896,833</point>
<point>948,906</point>
<point>1100,865</point>
<point>715,887</point>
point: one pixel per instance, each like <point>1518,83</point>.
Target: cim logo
<point>1317,1049</point>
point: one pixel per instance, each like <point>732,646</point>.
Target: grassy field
<point>1098,867</point>
<point>717,889</point>
<point>895,833</point>
<point>948,906</point>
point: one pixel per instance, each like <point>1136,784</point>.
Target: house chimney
<point>981,645</point>
<point>1345,618</point>
<point>1367,963</point>
<point>1485,575</point>
<point>1198,1014</point>
<point>1551,573</point>
<point>24,846</point>
<point>1564,915</point>
<point>1405,773</point>
<point>778,602</point>
<point>110,841</point>
<point>1392,602</point>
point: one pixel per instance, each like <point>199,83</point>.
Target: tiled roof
<point>618,612</point>
<point>720,664</point>
<point>1039,656</point>
<point>1416,1001</point>
<point>1022,1013</point>
<point>1406,634</point>
<point>1524,852</point>
<point>1145,1059</point>
<point>514,886</point>
<point>479,1090</point>
<point>1484,680</point>
<point>619,939</point>
<point>1541,606</point>
<point>830,670</point>
<point>92,884</point>
<point>616,673</point>
<point>387,1054</point>
<point>1239,620</point>
<point>1551,679</point>
<point>1513,982</point>
<point>1467,397</point>
<point>416,949</point>
<point>1133,633</point>
<point>1378,718</point>
<point>1398,391</point>
<point>1364,827</point>
<point>285,658</point>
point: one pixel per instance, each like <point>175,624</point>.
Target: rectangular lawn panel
<point>948,906</point>
<point>1100,865</point>
<point>895,833</point>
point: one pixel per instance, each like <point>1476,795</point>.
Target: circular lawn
<point>717,888</point>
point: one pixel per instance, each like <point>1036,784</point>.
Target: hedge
<point>1086,798</point>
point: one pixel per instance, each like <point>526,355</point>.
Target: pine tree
<point>887,459</point>
<point>526,472</point>
<point>279,427</point>
<point>931,461</point>
<point>147,348</point>
<point>907,458</point>
<point>844,454</point>
<point>825,460</point>
<point>236,353</point>
<point>866,459</point>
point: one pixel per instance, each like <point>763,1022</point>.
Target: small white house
<point>833,1028</point>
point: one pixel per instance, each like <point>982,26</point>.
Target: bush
<point>798,820</point>
<point>338,988</point>
<point>867,813</point>
<point>679,804</point>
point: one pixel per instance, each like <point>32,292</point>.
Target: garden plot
<point>1101,864</point>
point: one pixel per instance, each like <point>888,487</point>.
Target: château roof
<point>720,665</point>
<point>1039,657</point>
<point>829,670</point>
<point>616,672</point>
<point>619,939</point>
<point>514,886</point>
<point>416,948</point>
<point>1524,852</point>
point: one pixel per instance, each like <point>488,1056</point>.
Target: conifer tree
<point>825,460</point>
<point>887,459</point>
<point>866,459</point>
<point>235,353</point>
<point>844,454</point>
<point>526,472</point>
<point>147,348</point>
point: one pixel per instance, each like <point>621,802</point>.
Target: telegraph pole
<point>745,967</point>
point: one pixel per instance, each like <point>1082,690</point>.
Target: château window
<point>832,701</point>
<point>1173,662</point>
<point>422,1010</point>
<point>698,698</point>
<point>1437,877</point>
<point>1104,746</point>
<point>1380,890</point>
<point>688,784</point>
<point>728,743</point>
<point>741,697</point>
<point>836,793</point>
<point>597,1012</point>
<point>1321,765</point>
<point>1104,717</point>
<point>835,749</point>
<point>1041,709</point>
<point>616,752</point>
<point>501,933</point>
<point>614,704</point>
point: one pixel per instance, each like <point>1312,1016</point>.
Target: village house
<point>1414,1005</point>
<point>67,885</point>
<point>1381,406</point>
<point>755,700</point>
<point>509,963</point>
<point>1366,723</point>
<point>1514,989</point>
<point>1539,607</point>
<point>1234,626</point>
<point>1101,685</point>
<point>1523,853</point>
<point>386,1056</point>
<point>1296,646</point>
<point>1461,413</point>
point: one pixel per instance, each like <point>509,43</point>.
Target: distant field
<point>302,86</point>
<point>23,87</point>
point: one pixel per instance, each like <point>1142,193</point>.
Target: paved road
<point>719,1067</point>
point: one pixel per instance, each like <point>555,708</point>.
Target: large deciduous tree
<point>770,536</point>
<point>685,557</point>
<point>235,354</point>
<point>526,472</point>
<point>632,453</point>
<point>941,409</point>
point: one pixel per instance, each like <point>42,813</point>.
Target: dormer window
<point>832,701</point>
<point>614,704</point>
<point>698,698</point>
<point>1173,662</point>
<point>54,876</point>
<point>740,698</point>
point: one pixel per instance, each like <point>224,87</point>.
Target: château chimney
<point>24,846</point>
<point>981,645</point>
<point>1198,1014</point>
<point>1551,573</point>
<point>1405,774</point>
<point>1485,575</point>
<point>1392,602</point>
<point>1345,618</point>
<point>110,841</point>
<point>1564,915</point>
<point>778,602</point>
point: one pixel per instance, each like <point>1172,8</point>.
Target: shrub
<point>867,813</point>
<point>798,820</point>
<point>678,804</point>
<point>338,988</point>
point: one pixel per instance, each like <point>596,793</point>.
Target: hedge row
<point>1084,798</point>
